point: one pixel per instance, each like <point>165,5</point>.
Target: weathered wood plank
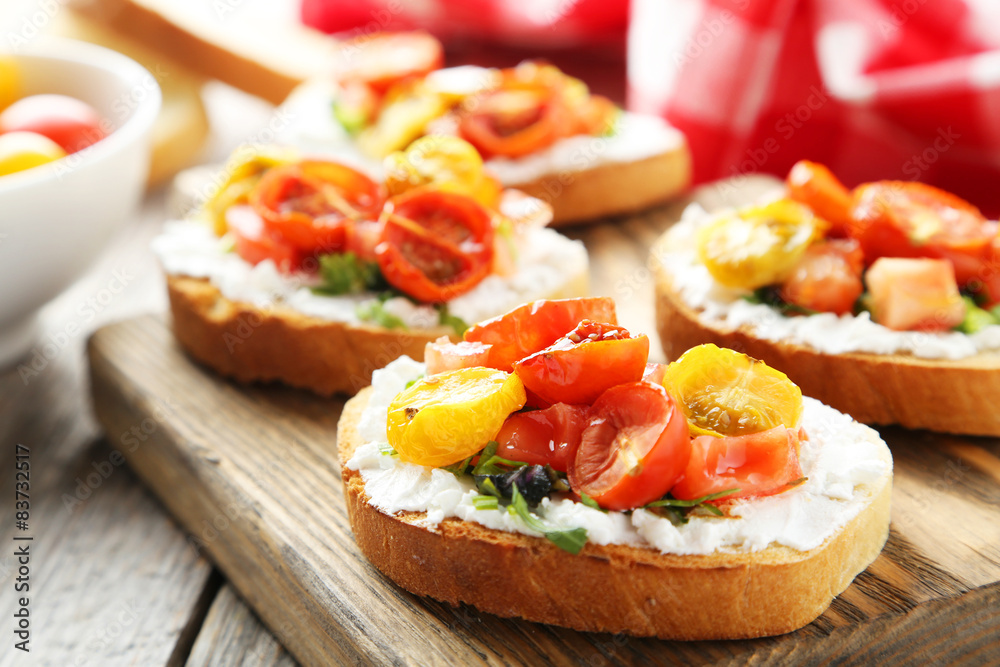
<point>262,459</point>
<point>232,635</point>
<point>112,578</point>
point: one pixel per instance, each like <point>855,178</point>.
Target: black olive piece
<point>532,481</point>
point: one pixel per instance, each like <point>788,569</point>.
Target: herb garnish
<point>676,508</point>
<point>489,463</point>
<point>457,324</point>
<point>486,502</point>
<point>590,502</point>
<point>374,311</point>
<point>567,539</point>
<point>346,273</point>
<point>770,295</point>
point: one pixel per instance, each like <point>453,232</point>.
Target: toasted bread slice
<point>245,342</point>
<point>611,588</point>
<point>938,395</point>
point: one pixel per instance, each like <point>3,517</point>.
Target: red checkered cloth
<point>540,24</point>
<point>908,89</point>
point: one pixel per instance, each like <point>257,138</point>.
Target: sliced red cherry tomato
<point>828,277</point>
<point>72,124</point>
<point>515,120</point>
<point>361,236</point>
<point>634,449</point>
<point>255,243</point>
<point>905,219</point>
<point>758,464</point>
<point>384,59</point>
<point>536,325</point>
<point>814,185</point>
<point>539,437</point>
<point>310,203</point>
<point>584,363</point>
<point>435,244</point>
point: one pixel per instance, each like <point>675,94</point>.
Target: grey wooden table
<point>113,580</point>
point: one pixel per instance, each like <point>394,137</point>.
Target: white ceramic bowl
<point>56,219</point>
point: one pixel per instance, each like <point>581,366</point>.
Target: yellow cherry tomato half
<point>726,393</point>
<point>242,172</point>
<point>445,418</point>
<point>10,81</point>
<point>760,245</point>
<point>24,150</point>
<point>445,161</point>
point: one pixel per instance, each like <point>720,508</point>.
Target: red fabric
<point>875,89</point>
<point>538,23</point>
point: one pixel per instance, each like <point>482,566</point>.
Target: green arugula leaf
<point>345,273</point>
<point>458,469</point>
<point>673,502</point>
<point>457,324</point>
<point>490,464</point>
<point>770,295</point>
<point>590,502</point>
<point>487,487</point>
<point>375,312</point>
<point>976,318</point>
<point>567,539</point>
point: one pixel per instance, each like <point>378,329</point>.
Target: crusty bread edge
<point>612,588</point>
<point>938,395</point>
<point>612,188</point>
<point>251,344</point>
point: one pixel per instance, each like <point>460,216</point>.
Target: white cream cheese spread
<point>825,332</point>
<point>845,463</point>
<point>313,129</point>
<point>545,262</point>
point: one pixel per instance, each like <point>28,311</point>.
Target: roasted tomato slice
<point>539,437</point>
<point>584,363</point>
<point>435,244</point>
<point>906,219</point>
<point>914,294</point>
<point>384,59</point>
<point>515,120</point>
<point>536,325</point>
<point>758,464</point>
<point>255,243</point>
<point>814,185</point>
<point>310,203</point>
<point>634,449</point>
<point>828,277</point>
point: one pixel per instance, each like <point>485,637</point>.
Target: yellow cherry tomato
<point>404,115</point>
<point>241,173</point>
<point>760,245</point>
<point>445,161</point>
<point>447,417</point>
<point>725,393</point>
<point>24,150</point>
<point>10,81</point>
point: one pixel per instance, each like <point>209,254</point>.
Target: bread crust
<point>611,588</point>
<point>242,341</point>
<point>938,395</point>
<point>613,188</point>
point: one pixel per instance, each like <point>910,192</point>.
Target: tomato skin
<point>514,121</point>
<point>255,243</point>
<point>539,437</point>
<point>915,294</point>
<point>758,464</point>
<point>909,219</point>
<point>634,449</point>
<point>384,59</point>
<point>536,325</point>
<point>814,185</point>
<point>310,203</point>
<point>828,277</point>
<point>654,373</point>
<point>583,364</point>
<point>435,244</point>
<point>69,122</point>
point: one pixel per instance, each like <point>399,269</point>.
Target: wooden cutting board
<point>251,472</point>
